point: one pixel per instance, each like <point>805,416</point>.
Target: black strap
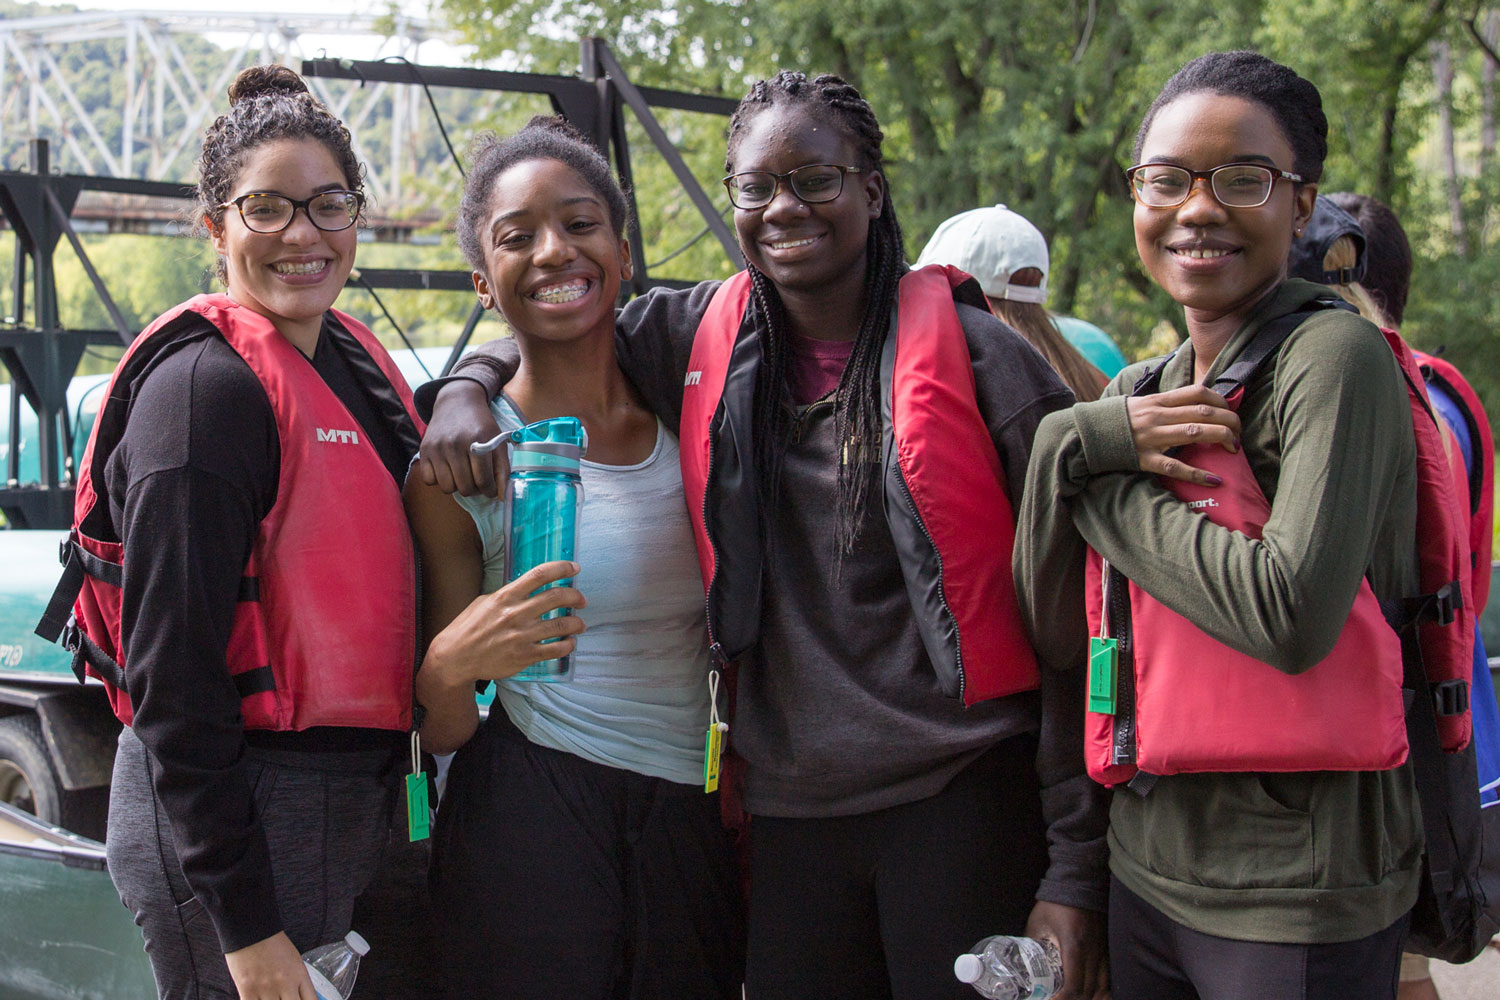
<point>99,568</point>
<point>257,681</point>
<point>59,612</point>
<point>1441,607</point>
<point>1150,380</point>
<point>1427,768</point>
<point>1266,342</point>
<point>78,562</point>
<point>87,651</point>
<point>1450,697</point>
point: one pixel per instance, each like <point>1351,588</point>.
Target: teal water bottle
<point>543,505</point>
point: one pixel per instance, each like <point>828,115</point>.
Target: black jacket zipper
<point>1123,737</point>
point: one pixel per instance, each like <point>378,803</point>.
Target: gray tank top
<point>639,695</point>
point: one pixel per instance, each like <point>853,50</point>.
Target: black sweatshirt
<point>839,709</point>
<point>189,483</point>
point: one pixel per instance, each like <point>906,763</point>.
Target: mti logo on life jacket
<point>693,378</point>
<point>336,436</point>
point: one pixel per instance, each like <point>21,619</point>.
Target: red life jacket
<point>1185,702</point>
<point>325,630</point>
<point>1477,484</point>
<point>944,487</point>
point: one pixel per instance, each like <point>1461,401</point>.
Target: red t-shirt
<point>815,367</point>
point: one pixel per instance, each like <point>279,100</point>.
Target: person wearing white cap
<point>1008,257</point>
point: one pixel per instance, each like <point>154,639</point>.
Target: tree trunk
<point>1385,151</point>
<point>1487,92</point>
<point>1442,71</point>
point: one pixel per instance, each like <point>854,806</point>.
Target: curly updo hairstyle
<point>837,102</point>
<point>1293,102</point>
<point>266,103</point>
<point>544,137</point>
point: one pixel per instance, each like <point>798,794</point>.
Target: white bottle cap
<point>360,945</point>
<point>968,968</point>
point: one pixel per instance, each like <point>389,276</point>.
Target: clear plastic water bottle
<point>1012,968</point>
<point>332,967</point>
<point>543,505</point>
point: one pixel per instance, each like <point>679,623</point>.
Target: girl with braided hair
<point>854,435</point>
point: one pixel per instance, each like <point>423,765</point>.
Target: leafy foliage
<point>1033,105</point>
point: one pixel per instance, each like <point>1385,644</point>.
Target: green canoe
<point>64,934</point>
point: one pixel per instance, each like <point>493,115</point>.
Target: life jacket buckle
<point>1446,604</point>
<point>71,638</point>
<point>1451,697</point>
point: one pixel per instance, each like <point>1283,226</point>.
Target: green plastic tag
<point>1104,659</point>
<point>418,815</point>
<point>713,749</point>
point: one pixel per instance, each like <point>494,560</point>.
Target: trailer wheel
<point>29,781</point>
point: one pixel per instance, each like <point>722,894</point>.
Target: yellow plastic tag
<point>713,750</point>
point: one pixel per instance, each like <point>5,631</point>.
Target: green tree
<point>1036,105</point>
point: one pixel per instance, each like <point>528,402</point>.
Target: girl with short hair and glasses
<point>854,434</point>
<point>246,473</point>
<point>1257,532</point>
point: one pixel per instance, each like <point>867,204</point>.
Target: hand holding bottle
<point>270,970</point>
<point>332,968</point>
<point>1011,968</point>
<point>502,633</point>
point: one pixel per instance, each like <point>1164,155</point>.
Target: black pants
<point>880,904</point>
<point>554,877</point>
<point>1152,957</point>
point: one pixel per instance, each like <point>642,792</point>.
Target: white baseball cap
<point>991,244</point>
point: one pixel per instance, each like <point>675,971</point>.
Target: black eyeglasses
<point>813,184</point>
<point>1235,185</point>
<point>330,211</point>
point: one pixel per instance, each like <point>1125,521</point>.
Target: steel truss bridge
<point>168,91</point>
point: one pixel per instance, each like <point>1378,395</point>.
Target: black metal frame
<point>37,205</point>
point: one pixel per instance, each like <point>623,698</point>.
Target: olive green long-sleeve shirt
<point>1310,857</point>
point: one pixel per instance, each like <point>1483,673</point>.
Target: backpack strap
<point>1267,341</point>
<point>1427,765</point>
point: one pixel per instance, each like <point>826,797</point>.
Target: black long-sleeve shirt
<point>189,483</point>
